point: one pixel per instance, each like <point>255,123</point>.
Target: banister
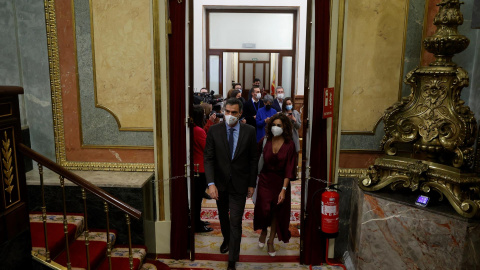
<point>105,196</point>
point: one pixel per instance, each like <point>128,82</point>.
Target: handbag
<point>260,160</point>
<point>260,166</point>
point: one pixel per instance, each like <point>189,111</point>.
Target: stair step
<point>97,249</point>
<point>120,258</point>
<point>55,232</point>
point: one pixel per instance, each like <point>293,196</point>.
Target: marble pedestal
<point>388,231</point>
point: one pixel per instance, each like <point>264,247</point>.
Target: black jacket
<point>221,169</point>
<point>249,110</point>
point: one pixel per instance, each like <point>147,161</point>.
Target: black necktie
<point>230,142</point>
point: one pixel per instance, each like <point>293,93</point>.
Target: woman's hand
<point>292,117</point>
<point>212,117</point>
<point>281,196</point>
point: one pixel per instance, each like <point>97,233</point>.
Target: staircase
<point>79,239</point>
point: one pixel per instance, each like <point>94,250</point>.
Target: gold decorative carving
<point>461,189</point>
<point>437,124</point>
<point>57,107</point>
<point>7,161</point>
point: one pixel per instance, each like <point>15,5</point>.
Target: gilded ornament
<point>436,123</point>
<point>7,164</point>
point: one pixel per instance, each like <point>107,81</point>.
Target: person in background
<point>256,82</point>
<point>279,96</point>
<point>238,95</point>
<point>204,90</point>
<point>234,93</point>
<point>199,140</point>
<point>263,116</point>
<point>273,203</point>
<point>294,116</point>
<point>211,112</point>
<point>238,86</point>
<point>252,106</point>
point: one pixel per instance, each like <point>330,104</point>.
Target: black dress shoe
<point>224,247</point>
<point>203,229</point>
<point>231,265</point>
<point>204,223</point>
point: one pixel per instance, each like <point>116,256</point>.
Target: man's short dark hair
<point>256,80</point>
<point>235,84</point>
<point>235,101</point>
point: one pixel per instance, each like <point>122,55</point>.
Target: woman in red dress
<point>273,204</point>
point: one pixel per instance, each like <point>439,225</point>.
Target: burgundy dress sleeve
<point>291,166</point>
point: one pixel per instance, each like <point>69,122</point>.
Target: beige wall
<point>122,47</point>
<point>374,52</point>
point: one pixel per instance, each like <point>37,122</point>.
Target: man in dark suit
<point>252,105</point>
<point>231,162</point>
<point>278,101</point>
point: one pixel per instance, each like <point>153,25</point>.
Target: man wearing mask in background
<point>279,96</point>
<point>238,86</point>
<point>252,106</point>
<point>231,161</point>
<point>263,116</point>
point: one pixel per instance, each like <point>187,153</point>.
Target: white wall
<point>199,34</point>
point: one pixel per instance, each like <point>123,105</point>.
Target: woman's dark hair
<point>284,104</point>
<point>233,94</point>
<point>287,127</point>
<point>198,115</point>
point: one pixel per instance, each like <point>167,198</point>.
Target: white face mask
<point>277,131</point>
<point>231,120</point>
<point>258,96</point>
<point>281,96</point>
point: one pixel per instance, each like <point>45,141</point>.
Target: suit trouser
<point>200,186</point>
<point>231,227</point>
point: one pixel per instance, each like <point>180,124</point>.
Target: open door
<point>314,160</point>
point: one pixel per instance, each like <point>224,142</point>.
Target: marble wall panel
<point>374,51</point>
<point>32,44</point>
<point>9,61</point>
<point>123,61</point>
<point>394,235</point>
<point>98,127</point>
<point>75,150</point>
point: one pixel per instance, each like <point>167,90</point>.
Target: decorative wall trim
<point>57,107</point>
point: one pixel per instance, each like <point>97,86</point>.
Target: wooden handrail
<point>79,181</point>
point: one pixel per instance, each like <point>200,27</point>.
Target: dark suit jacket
<point>276,105</point>
<point>221,169</point>
<point>249,111</point>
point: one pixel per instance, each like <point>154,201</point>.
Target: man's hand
<point>268,119</point>
<point>213,192</point>
<point>251,190</point>
<point>254,117</point>
<point>244,121</point>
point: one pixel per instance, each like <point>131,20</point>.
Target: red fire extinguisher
<point>330,207</point>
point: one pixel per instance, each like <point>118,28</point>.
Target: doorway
<point>273,58</point>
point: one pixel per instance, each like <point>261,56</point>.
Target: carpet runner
<point>55,233</point>
<point>209,207</point>
<point>77,250</point>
